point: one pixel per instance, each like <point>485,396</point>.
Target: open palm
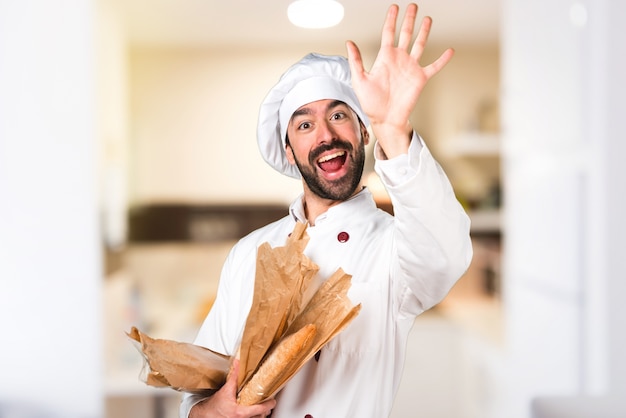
<point>389,91</point>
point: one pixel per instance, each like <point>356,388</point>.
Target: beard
<point>339,189</point>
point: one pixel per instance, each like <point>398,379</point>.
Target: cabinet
<point>473,165</point>
<point>474,158</point>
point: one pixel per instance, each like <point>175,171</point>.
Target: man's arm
<point>432,245</point>
<point>432,242</point>
<point>220,332</point>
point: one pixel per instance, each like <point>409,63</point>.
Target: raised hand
<point>389,92</point>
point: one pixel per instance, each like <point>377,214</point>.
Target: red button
<point>343,237</point>
<point>308,416</point>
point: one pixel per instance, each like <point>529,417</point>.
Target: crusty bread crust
<point>285,352</point>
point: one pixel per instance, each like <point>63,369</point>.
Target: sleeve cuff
<point>399,169</point>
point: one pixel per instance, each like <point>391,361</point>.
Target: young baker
<point>312,126</point>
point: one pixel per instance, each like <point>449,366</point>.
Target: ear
<point>365,134</point>
<point>289,154</point>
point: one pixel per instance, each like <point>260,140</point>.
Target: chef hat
<point>314,77</point>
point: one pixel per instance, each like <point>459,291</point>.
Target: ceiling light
<point>315,14</point>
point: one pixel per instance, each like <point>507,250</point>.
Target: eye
<point>338,116</point>
<point>304,125</point>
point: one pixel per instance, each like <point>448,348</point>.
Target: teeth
<point>331,156</point>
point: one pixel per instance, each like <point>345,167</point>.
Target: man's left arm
<point>431,230</point>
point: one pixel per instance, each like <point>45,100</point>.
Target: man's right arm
<point>221,331</point>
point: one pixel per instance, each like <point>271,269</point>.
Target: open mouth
<point>332,162</point>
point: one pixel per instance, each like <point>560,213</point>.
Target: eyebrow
<point>306,111</point>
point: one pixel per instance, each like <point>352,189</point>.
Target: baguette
<point>285,352</point>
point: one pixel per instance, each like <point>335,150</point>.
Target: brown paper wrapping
<point>181,366</point>
<point>285,301</point>
<point>283,275</point>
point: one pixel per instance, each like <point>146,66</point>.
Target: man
<point>313,125</point>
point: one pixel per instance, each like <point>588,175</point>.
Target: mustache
<point>335,144</point>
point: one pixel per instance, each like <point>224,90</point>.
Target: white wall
<point>50,325</point>
<point>563,107</point>
<point>610,110</point>
<point>113,97</point>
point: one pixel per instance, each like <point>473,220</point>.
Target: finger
<point>389,28</point>
<point>355,60</point>
<point>441,62</point>
<point>263,409</point>
<point>422,37</point>
<point>408,24</point>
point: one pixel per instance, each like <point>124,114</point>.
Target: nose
<point>326,133</point>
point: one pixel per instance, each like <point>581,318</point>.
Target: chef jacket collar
<point>343,209</point>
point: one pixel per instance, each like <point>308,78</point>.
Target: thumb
<point>355,60</point>
<point>230,387</point>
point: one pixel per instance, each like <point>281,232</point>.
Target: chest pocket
<point>366,332</point>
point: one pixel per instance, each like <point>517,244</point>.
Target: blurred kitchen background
<point>129,167</point>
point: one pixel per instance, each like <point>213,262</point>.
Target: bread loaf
<point>286,350</point>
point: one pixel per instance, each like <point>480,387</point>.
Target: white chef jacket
<point>401,265</point>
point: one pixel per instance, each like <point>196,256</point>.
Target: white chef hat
<point>314,77</point>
